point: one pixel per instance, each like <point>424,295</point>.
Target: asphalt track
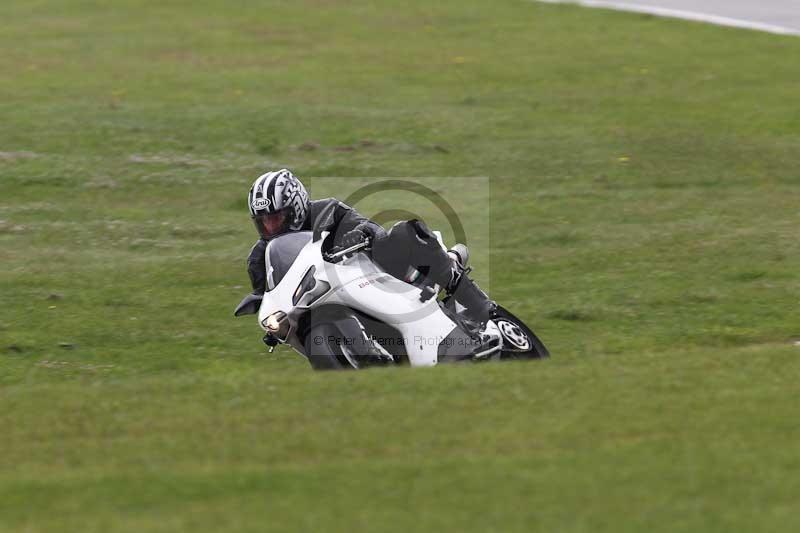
<point>774,16</point>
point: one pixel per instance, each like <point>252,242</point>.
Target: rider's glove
<point>368,230</point>
<point>270,340</point>
<point>353,237</point>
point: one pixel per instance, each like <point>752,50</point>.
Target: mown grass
<point>644,185</point>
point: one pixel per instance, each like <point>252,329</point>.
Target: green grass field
<point>645,187</point>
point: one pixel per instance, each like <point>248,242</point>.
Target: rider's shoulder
<point>319,205</point>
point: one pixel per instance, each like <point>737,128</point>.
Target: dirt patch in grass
<point>16,156</point>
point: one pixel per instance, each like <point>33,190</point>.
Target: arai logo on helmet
<point>260,203</point>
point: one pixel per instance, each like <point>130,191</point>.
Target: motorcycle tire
<point>515,333</point>
<point>325,350</point>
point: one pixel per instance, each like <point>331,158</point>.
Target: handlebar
<point>336,256</point>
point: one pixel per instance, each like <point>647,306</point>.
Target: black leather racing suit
<point>345,218</point>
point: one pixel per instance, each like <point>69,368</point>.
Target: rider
<point>279,203</point>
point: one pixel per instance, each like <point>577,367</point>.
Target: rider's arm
<point>256,267</point>
<point>349,219</point>
<point>343,220</point>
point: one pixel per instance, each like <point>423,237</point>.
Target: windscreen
<point>281,254</point>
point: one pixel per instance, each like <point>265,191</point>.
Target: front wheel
<point>519,341</point>
<point>326,349</point>
<point>337,340</point>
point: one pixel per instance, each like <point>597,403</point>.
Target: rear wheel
<point>519,341</point>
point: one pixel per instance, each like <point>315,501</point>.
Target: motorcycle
<point>340,310</point>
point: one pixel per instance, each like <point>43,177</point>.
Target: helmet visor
<point>270,225</point>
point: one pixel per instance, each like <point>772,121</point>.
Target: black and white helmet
<point>278,203</point>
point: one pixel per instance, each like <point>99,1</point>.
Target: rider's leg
<point>413,243</point>
<point>478,306</point>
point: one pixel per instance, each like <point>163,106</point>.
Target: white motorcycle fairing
<point>357,283</point>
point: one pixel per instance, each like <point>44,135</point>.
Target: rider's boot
<point>459,254</point>
<point>478,307</point>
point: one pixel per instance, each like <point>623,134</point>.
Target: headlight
<point>272,323</point>
<point>277,324</point>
